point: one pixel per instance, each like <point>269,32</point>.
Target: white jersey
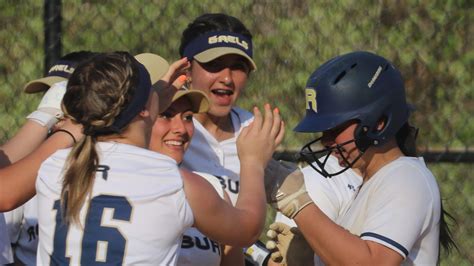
<point>206,154</point>
<point>332,195</point>
<point>22,224</point>
<point>400,208</point>
<point>196,248</point>
<point>5,247</point>
<point>136,213</point>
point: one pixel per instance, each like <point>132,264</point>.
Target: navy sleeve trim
<point>388,240</point>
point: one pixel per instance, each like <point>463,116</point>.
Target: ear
<point>144,113</point>
<point>381,124</point>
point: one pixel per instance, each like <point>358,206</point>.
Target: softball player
<point>22,223</point>
<point>332,195</point>
<point>111,227</point>
<point>171,135</point>
<point>357,101</point>
<point>219,68</point>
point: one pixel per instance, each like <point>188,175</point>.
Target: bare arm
<point>26,140</point>
<point>17,181</point>
<point>36,128</point>
<point>231,256</point>
<point>240,225</point>
<point>329,239</point>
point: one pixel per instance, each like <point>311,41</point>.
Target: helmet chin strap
<point>313,158</point>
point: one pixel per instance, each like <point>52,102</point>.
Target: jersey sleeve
<point>401,205</point>
<point>321,192</point>
<point>13,220</point>
<point>5,247</point>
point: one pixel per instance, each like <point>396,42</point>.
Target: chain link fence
<point>430,41</point>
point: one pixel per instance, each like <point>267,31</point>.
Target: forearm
<point>26,140</point>
<point>17,181</point>
<point>328,239</point>
<point>251,200</point>
<point>232,256</point>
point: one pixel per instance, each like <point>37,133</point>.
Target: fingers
<point>257,121</point>
<point>270,245</point>
<point>179,82</point>
<point>280,228</point>
<point>271,234</point>
<point>176,69</point>
<point>277,127</point>
<point>276,256</point>
<point>268,119</point>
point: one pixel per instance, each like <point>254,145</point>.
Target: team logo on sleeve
<point>311,99</point>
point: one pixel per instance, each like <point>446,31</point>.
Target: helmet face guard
<point>318,159</point>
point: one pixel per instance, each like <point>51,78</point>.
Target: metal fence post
<point>52,33</point>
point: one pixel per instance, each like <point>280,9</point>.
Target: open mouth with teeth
<point>174,142</point>
<point>222,92</point>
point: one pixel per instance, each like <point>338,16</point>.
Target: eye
<point>188,117</point>
<point>213,66</point>
<point>242,66</point>
<point>165,115</point>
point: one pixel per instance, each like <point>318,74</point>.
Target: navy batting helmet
<point>359,86</point>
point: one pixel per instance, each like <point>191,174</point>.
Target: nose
<point>226,76</point>
<point>177,125</point>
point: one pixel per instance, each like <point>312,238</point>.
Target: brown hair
<point>97,91</point>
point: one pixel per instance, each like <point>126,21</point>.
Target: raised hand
<point>257,142</point>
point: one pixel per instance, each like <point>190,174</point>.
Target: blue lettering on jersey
<point>58,257</point>
<point>203,243</point>
<point>33,232</point>
<point>231,185</point>
<point>104,169</point>
<point>94,232</point>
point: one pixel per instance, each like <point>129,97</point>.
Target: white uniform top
<point>196,248</point>
<point>332,195</point>
<point>206,154</point>
<point>136,214</point>
<point>400,208</point>
<point>5,247</point>
<point>22,224</point>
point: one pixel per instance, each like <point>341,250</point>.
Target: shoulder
<point>213,181</point>
<point>244,117</point>
<point>120,153</point>
<point>408,172</point>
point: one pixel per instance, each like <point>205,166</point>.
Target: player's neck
<point>134,135</point>
<point>218,126</point>
<point>377,157</point>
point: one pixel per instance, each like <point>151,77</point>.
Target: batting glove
<point>49,111</point>
<point>285,189</point>
<point>288,245</point>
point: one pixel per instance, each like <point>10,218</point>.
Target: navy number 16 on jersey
<point>100,244</point>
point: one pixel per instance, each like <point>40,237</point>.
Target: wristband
<point>44,119</point>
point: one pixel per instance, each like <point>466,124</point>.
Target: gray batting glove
<point>285,189</point>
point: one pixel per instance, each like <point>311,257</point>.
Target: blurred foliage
<point>429,41</point>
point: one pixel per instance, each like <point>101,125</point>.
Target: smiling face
<point>173,130</point>
<point>222,79</point>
